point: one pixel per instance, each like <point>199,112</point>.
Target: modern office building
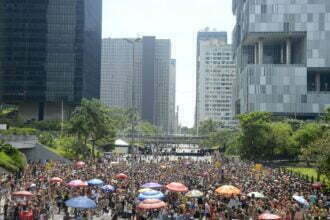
<point>215,77</point>
<point>282,53</point>
<point>50,54</point>
<point>145,67</point>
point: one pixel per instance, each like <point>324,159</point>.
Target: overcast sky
<point>178,20</point>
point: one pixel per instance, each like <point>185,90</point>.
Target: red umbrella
<point>317,185</point>
<point>177,187</point>
<point>268,216</point>
<point>121,176</point>
<point>151,204</point>
<point>55,180</point>
<point>80,164</point>
<point>77,183</point>
<point>22,194</point>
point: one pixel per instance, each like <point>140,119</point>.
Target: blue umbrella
<point>81,202</point>
<point>151,185</point>
<point>108,188</point>
<point>151,195</point>
<point>95,182</point>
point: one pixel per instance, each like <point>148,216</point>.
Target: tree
<point>92,121</point>
<point>208,126</point>
<point>254,139</point>
<point>280,141</point>
<point>319,152</point>
<point>307,134</point>
<point>146,128</point>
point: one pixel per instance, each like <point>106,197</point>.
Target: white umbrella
<point>256,195</point>
<point>301,200</point>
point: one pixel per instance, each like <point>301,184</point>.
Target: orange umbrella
<point>268,216</point>
<point>22,194</point>
<point>151,204</point>
<point>55,180</point>
<point>228,190</point>
<point>177,187</point>
<point>121,176</point>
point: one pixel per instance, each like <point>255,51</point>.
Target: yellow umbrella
<point>228,190</point>
<point>145,190</point>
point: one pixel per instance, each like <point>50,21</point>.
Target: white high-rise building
<point>215,78</point>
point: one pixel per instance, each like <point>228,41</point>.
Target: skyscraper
<point>282,54</point>
<point>143,66</point>
<point>215,76</point>
<point>49,54</point>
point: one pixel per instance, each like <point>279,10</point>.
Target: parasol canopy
<point>257,195</point>
<point>80,164</point>
<point>22,194</point>
<point>77,183</point>
<point>81,202</point>
<point>177,187</point>
<point>55,180</point>
<point>121,176</point>
<point>317,185</point>
<point>268,216</point>
<point>151,204</point>
<point>151,185</point>
<point>108,188</point>
<point>144,190</point>
<point>228,190</point>
<point>301,200</point>
<point>95,182</point>
<point>194,194</point>
<point>151,195</point>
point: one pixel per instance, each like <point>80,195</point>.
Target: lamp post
<point>132,113</point>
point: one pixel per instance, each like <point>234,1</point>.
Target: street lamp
<point>133,119</point>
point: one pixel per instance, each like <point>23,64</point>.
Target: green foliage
<point>307,134</point>
<point>311,172</point>
<point>47,139</point>
<point>46,125</point>
<point>327,115</point>
<point>11,158</point>
<point>146,128</point>
<point>319,151</point>
<point>188,131</point>
<point>208,126</point>
<point>233,144</point>
<point>255,129</point>
<point>19,131</point>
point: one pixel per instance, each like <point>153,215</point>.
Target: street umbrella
<point>55,180</point>
<point>81,202</point>
<point>317,185</point>
<point>144,190</point>
<point>257,195</point>
<point>121,176</point>
<point>151,195</point>
<point>108,188</point>
<point>268,216</point>
<point>77,183</point>
<point>80,164</point>
<point>22,194</point>
<point>194,194</point>
<point>177,187</point>
<point>151,204</point>
<point>301,200</point>
<point>93,182</point>
<point>228,190</point>
<point>151,185</point>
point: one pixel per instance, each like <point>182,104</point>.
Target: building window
<point>263,9</point>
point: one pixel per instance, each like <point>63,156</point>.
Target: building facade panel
<point>285,42</point>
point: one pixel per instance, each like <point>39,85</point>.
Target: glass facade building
<point>49,53</point>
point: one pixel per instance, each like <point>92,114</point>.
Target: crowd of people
<point>205,175</point>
